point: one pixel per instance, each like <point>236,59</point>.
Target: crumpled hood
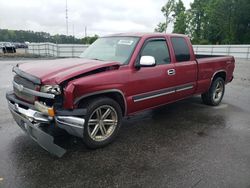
<point>59,70</point>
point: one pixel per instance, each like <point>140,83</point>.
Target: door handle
<point>171,72</point>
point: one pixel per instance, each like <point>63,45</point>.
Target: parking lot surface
<point>185,144</point>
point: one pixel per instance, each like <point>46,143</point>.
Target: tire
<point>100,131</point>
<point>215,93</point>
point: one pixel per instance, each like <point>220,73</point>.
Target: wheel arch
<point>219,73</point>
<point>114,94</point>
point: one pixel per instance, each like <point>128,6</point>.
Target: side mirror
<point>147,61</point>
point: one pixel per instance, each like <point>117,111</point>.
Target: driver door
<point>153,86</point>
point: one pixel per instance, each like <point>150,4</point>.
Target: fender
<point>78,99</point>
<point>221,70</point>
<point>104,92</point>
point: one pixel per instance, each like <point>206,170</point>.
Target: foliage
<point>161,27</point>
<point>220,21</point>
<point>173,12</point>
<point>89,40</point>
<point>31,36</point>
<point>167,10</point>
<point>180,16</point>
<point>210,21</point>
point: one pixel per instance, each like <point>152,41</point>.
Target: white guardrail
<point>56,50</point>
<point>238,51</point>
<point>74,50</point>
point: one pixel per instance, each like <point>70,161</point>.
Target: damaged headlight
<point>53,89</point>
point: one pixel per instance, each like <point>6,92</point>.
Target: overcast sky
<point>100,16</point>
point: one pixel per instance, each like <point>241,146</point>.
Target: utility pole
<point>85,31</point>
<point>66,12</point>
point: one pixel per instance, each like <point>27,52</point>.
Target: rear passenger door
<point>185,67</point>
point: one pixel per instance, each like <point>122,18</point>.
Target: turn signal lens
<point>51,112</point>
<point>45,109</point>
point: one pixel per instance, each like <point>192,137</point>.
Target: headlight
<point>55,89</point>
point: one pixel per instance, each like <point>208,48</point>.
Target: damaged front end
<point>34,113</point>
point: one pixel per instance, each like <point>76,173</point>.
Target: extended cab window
<point>158,49</point>
<point>181,49</point>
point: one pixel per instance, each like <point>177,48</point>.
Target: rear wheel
<point>103,120</point>
<point>215,93</point>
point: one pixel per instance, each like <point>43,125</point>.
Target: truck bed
<point>208,65</point>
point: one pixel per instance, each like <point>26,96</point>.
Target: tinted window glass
<point>158,49</point>
<point>181,49</point>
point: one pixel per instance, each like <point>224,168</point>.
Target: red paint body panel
<point>60,70</point>
<point>133,82</point>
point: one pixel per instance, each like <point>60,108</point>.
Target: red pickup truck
<point>116,76</point>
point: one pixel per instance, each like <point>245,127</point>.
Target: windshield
<point>111,49</point>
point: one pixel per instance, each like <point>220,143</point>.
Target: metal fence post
<point>54,50</point>
<point>38,47</point>
<point>229,50</point>
<point>33,48</point>
<point>248,51</point>
<point>57,50</point>
<point>48,48</point>
<point>212,50</point>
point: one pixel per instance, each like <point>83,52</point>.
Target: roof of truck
<point>140,34</point>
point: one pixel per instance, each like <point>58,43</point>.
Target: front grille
<point>27,84</point>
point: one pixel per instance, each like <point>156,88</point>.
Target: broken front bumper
<point>32,122</point>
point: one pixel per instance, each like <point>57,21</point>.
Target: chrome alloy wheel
<point>218,92</point>
<point>102,123</point>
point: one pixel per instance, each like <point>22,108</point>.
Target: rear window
<point>181,49</point>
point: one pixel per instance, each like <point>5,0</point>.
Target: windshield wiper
<point>97,59</point>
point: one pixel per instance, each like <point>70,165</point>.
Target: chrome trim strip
<point>102,92</point>
<point>71,121</point>
<point>20,88</point>
<point>73,125</point>
<point>154,96</point>
<point>171,90</point>
<point>185,88</point>
<point>221,70</point>
<point>45,140</point>
<point>29,113</point>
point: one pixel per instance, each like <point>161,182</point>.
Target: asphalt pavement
<point>185,144</point>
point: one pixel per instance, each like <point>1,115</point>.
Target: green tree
<point>221,27</point>
<point>167,11</point>
<point>31,36</point>
<point>243,21</point>
<point>89,40</point>
<point>180,15</point>
<point>198,19</point>
<point>161,27</point>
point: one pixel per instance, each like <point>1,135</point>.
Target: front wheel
<point>103,120</point>
<point>215,93</point>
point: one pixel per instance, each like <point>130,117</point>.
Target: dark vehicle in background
<point>20,45</point>
<point>1,46</point>
<point>7,47</point>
